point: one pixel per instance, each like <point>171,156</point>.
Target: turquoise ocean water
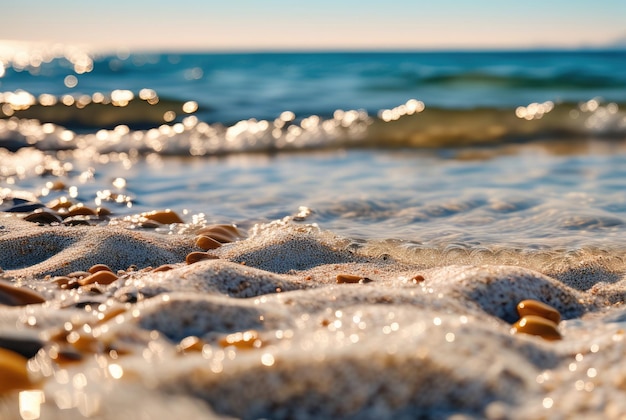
<point>433,149</point>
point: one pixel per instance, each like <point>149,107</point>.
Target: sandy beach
<point>272,325</point>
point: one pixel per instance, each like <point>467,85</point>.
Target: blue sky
<point>322,24</point>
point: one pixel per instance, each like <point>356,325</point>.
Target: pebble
<point>102,211</point>
<point>80,210</point>
<point>164,217</point>
<point>194,257</point>
<point>43,216</point>
<point>537,325</point>
<point>18,296</point>
<point>100,277</point>
<point>60,203</point>
<point>13,372</point>
<point>535,307</point>
<point>99,267</point>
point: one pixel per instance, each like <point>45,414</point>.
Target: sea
<point>472,149</point>
<point>438,159</point>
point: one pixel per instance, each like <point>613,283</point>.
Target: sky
<point>322,24</point>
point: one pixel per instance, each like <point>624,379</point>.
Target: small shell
<point>164,217</point>
<point>100,277</point>
<point>535,307</point>
<point>536,325</point>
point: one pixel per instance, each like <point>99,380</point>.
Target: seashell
<point>194,257</point>
<point>242,340</point>
<point>13,372</point>
<point>206,242</point>
<point>22,342</point>
<point>221,233</point>
<point>350,278</point>
<point>164,217</point>
<point>18,296</point>
<point>535,307</point>
<point>537,325</point>
<point>100,277</point>
<point>191,343</point>
<point>99,267</point>
<point>44,217</point>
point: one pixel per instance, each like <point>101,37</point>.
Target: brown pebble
<point>164,267</point>
<point>194,257</point>
<point>348,278</point>
<point>13,372</point>
<point>80,210</point>
<point>191,343</point>
<point>164,217</point>
<point>45,217</point>
<point>99,267</point>
<point>60,203</point>
<point>18,296</point>
<point>535,307</point>
<point>102,211</point>
<point>206,242</point>
<point>537,325</point>
<point>242,340</point>
<point>417,278</point>
<point>100,277</point>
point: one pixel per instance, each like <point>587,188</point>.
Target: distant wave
<point>137,126</point>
